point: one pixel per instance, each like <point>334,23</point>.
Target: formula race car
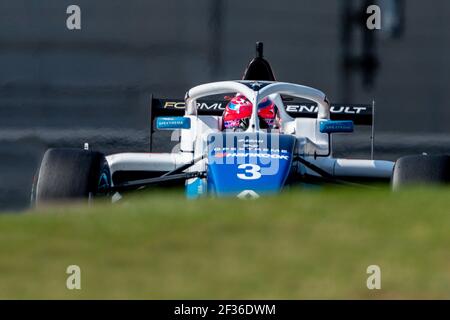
<point>262,137</point>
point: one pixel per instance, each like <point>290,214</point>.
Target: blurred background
<point>61,87</point>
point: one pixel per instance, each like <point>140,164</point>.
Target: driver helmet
<point>239,111</point>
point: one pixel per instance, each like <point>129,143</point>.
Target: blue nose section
<point>248,163</point>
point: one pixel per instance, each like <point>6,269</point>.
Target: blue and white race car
<point>249,160</point>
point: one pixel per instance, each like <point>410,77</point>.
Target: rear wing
<point>360,114</point>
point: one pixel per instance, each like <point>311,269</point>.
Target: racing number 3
<point>251,171</point>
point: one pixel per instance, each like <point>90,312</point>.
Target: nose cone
<point>248,162</point>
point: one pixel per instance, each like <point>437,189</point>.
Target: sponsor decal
<point>251,140</point>
<point>248,194</point>
<point>308,108</point>
<point>257,155</point>
<point>200,105</point>
<point>173,123</point>
<point>219,150</point>
<point>256,86</point>
<point>220,154</point>
<point>174,105</point>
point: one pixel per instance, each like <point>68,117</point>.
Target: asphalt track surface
<point>22,148</point>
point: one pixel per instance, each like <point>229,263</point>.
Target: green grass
<point>298,245</point>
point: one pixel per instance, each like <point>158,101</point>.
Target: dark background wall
<point>61,87</point>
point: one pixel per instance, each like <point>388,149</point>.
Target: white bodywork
<point>310,140</point>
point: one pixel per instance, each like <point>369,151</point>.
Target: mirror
<point>336,126</point>
<point>173,123</point>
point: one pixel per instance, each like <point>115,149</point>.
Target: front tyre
<point>71,174</point>
<point>421,170</point>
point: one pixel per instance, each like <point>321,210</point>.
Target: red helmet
<point>239,110</point>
